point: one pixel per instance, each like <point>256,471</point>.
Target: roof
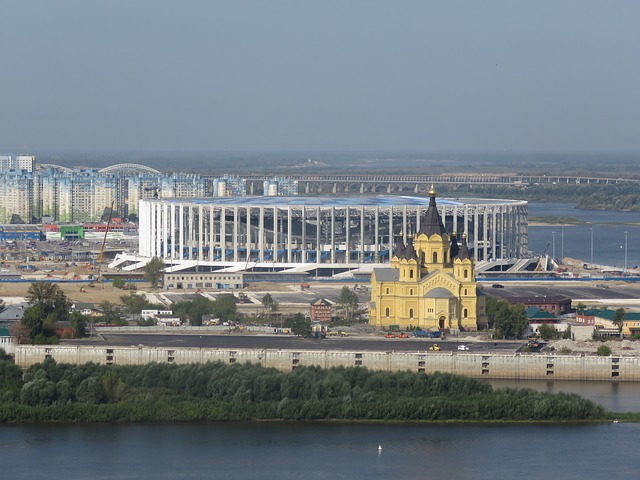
<point>609,314</point>
<point>399,251</point>
<point>409,252</point>
<point>431,224</point>
<point>320,302</point>
<point>439,293</point>
<point>387,274</point>
<point>333,201</point>
<point>463,253</point>
<point>537,313</point>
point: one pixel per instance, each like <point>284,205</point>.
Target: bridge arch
<point>126,167</point>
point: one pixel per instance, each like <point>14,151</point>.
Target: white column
<point>173,230</point>
<point>223,233</point>
<point>190,232</point>
<point>318,239</point>
<point>485,241</point>
<point>181,232</point>
<point>347,237</point>
<point>235,233</point>
<point>304,235</point>
<point>261,235</point>
<point>475,233</point>
<point>361,252</point>
<point>376,258</point>
<point>289,233</point>
<point>200,232</point>
<point>333,229</point>
<point>212,233</point>
<point>275,234</point>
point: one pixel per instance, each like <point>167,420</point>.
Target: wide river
<point>319,451</point>
<point>608,229</point>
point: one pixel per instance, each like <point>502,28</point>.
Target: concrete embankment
<point>485,365</point>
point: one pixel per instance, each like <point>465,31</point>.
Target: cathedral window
<point>411,292</point>
<point>466,274</point>
<point>411,313</point>
<point>387,291</point>
<point>465,313</point>
<point>465,291</point>
<point>411,273</point>
<point>386,311</point>
<point>435,257</point>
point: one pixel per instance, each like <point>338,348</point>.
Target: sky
<point>295,75</point>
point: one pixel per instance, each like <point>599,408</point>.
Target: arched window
<point>466,273</point>
<point>465,313</point>
<point>435,257</point>
<point>465,291</point>
<point>411,292</point>
<point>387,292</point>
<point>386,311</point>
<point>411,313</point>
<point>411,273</point>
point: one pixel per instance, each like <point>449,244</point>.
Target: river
<point>574,241</point>
<point>334,451</point>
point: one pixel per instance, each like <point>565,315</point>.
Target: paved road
<point>291,342</point>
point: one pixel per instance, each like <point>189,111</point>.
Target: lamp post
<point>562,243</point>
<point>625,251</point>
<point>553,245</point>
<point>591,246</point>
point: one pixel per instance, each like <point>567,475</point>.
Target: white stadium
<point>321,236</point>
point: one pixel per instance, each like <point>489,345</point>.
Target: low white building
<point>7,342</point>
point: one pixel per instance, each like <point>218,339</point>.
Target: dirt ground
<point>98,294</point>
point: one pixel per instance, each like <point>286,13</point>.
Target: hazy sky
<point>426,75</point>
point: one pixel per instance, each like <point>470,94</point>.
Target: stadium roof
<point>335,201</point>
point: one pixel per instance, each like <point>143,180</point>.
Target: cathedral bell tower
<point>432,241</point>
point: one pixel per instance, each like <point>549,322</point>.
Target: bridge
<point>383,183</point>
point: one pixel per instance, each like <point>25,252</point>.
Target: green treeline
<point>217,391</point>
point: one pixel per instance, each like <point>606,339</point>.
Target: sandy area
<point>624,347</point>
<point>98,294</point>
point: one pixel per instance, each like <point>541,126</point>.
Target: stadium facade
<point>321,235</point>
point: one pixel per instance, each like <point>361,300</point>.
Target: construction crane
<point>155,190</point>
<point>104,240</point>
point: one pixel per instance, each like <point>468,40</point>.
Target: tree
<point>269,303</point>
<point>78,324</point>
<point>509,321</point>
<point>547,332</point>
<point>110,314</point>
<point>118,282</point>
<point>193,311</point>
<point>603,351</point>
<point>299,325</point>
<point>348,300</point>
<point>153,271</point>
<point>618,318</point>
<point>225,307</point>
<point>580,307</point>
<point>133,218</point>
<point>48,305</point>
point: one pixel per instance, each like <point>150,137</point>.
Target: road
<point>287,342</point>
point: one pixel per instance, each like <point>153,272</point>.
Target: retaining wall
<point>491,366</point>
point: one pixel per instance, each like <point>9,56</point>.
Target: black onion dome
<point>454,246</point>
<point>431,224</point>
<point>399,250</point>
<point>464,254</point>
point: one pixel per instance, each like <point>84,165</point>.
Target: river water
<point>575,240</point>
<point>319,451</point>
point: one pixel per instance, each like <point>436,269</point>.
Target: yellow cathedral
<point>431,284</point>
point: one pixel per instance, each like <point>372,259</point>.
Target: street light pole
<point>553,245</point>
<point>562,243</point>
<point>591,246</point>
<point>625,251</point>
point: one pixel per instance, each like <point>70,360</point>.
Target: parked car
<point>463,348</point>
<point>434,348</point>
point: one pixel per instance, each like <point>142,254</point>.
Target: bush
<point>603,351</point>
<point>118,283</point>
<point>565,350</point>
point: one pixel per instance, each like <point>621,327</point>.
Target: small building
<point>538,317</point>
<point>147,314</point>
<point>7,342</point>
<point>12,313</point>
<point>602,319</point>
<point>85,308</point>
<point>320,310</point>
<point>203,281</point>
<point>555,304</point>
